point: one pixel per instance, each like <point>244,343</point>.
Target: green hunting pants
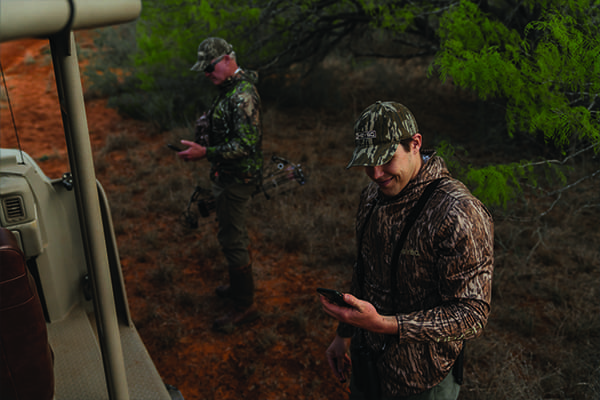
<point>232,209</point>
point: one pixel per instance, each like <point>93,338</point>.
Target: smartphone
<point>173,147</point>
<point>334,297</point>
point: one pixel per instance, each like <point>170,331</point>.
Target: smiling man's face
<point>394,175</point>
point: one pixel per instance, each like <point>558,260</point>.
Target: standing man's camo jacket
<point>443,277</point>
<point>235,132</point>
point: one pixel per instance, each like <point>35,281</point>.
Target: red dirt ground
<point>32,90</point>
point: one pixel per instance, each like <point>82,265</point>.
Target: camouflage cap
<point>210,49</point>
<point>378,131</point>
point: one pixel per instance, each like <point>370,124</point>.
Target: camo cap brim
<point>378,131</point>
<point>210,49</point>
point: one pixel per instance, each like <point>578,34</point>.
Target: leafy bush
<point>540,59</point>
<point>549,72</point>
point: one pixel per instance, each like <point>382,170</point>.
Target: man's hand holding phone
<point>356,312</point>
<point>192,153</point>
<point>334,297</point>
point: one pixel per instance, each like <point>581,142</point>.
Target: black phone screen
<point>334,297</point>
<point>173,147</point>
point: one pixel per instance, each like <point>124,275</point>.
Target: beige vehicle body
<point>64,228</point>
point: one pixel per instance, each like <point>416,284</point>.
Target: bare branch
<point>562,162</point>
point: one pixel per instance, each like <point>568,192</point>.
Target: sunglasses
<point>211,67</point>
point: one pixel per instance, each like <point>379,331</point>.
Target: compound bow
<point>276,176</point>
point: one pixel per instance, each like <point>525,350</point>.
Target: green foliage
<point>389,15</point>
<point>498,185</point>
<point>548,72</point>
<point>489,184</point>
<point>169,33</point>
<point>145,67</point>
<point>492,185</point>
<point>540,58</point>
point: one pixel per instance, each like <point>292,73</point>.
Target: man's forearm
<point>385,324</point>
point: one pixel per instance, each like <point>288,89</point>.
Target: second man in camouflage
<point>229,136</point>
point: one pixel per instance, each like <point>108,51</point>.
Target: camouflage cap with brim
<point>210,49</point>
<point>378,131</point>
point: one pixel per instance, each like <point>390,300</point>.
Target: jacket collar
<point>239,75</point>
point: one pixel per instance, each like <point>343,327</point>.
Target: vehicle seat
<point>26,360</point>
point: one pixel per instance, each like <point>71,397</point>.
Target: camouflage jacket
<point>235,132</point>
<point>443,278</point>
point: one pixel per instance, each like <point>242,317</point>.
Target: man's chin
<point>390,190</point>
<point>386,186</point>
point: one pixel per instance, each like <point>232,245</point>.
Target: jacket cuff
<point>401,328</point>
<point>210,153</point>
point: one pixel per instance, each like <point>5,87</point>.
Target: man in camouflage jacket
<point>229,135</point>
<point>411,333</point>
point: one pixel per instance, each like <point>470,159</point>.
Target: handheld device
<point>334,297</point>
<point>173,147</point>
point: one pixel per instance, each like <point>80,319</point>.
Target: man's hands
<point>193,152</point>
<point>362,315</point>
<point>338,358</point>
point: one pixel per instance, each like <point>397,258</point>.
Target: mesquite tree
<point>541,58</point>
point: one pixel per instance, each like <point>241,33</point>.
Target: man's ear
<point>229,61</point>
<point>417,141</point>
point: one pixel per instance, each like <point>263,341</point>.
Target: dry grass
<point>542,340</point>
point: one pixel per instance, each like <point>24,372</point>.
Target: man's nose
<point>376,172</point>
